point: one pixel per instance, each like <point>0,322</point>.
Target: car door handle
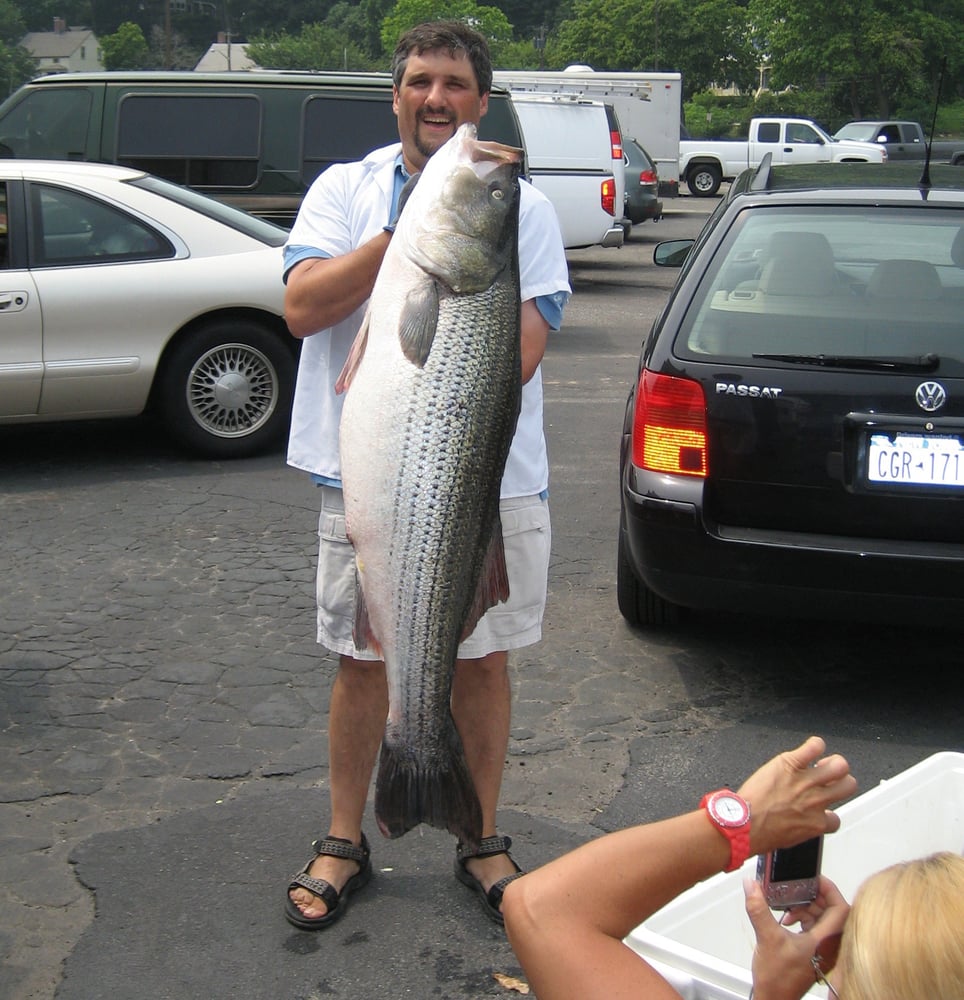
<point>13,301</point>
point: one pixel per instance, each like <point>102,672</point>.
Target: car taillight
<point>647,177</point>
<point>669,425</point>
<point>607,195</point>
<point>617,143</point>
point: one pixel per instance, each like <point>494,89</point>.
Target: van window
<point>339,130</point>
<point>48,124</point>
<point>199,141</point>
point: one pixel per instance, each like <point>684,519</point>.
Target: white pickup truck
<point>704,163</point>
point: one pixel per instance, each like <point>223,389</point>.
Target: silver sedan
<point>121,293</point>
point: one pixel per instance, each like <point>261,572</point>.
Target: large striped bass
<point>434,390</point>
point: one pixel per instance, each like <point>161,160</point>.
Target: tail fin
<point>432,787</point>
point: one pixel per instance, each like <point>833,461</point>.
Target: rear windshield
<point>860,132</point>
<point>862,282</point>
<point>243,222</point>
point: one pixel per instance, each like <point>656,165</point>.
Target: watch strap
<point>738,836</point>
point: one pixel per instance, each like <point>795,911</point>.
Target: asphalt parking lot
<point>163,706</point>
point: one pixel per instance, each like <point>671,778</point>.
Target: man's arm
<point>322,291</point>
<point>535,333</point>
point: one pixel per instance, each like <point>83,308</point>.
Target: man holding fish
<point>434,528</point>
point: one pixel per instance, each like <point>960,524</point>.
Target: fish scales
<point>424,446</point>
<point>442,490</point>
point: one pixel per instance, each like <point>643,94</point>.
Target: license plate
<point>915,460</point>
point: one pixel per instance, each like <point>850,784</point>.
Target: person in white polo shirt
<point>442,76</point>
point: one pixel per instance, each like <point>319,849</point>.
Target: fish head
<point>461,223</point>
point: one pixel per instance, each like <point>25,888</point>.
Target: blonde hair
<point>904,938</point>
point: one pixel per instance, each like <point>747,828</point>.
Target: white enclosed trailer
<point>649,106</point>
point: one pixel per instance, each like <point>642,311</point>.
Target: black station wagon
<point>794,437</point>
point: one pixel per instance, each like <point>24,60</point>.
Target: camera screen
<point>796,862</point>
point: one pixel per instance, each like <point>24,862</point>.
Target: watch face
<point>729,810</point>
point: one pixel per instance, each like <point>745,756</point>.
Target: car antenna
<point>925,177</point>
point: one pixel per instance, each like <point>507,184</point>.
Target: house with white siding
<point>63,50</point>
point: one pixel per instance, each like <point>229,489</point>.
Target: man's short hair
<point>452,36</point>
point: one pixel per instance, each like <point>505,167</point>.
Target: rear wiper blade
<point>923,363</point>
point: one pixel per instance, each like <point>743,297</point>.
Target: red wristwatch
<point>731,816</point>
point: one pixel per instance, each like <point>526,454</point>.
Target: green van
<point>254,139</point>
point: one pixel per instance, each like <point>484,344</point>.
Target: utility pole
<point>540,43</point>
<point>167,34</point>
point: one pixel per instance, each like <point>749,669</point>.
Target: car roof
<point>849,182</point>
<point>879,121</point>
<point>190,76</point>
<point>250,78</point>
<point>66,169</point>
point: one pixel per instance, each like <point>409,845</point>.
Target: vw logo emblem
<point>930,396</point>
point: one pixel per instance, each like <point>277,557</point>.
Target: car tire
<point>225,389</point>
<point>704,180</point>
<point>637,603</point>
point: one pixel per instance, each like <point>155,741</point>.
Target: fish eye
<point>498,194</point>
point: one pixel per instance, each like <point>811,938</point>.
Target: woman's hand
<point>783,959</point>
<point>791,795</point>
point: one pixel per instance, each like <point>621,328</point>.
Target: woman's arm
<point>566,921</point>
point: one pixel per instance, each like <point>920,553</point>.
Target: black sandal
<point>337,902</point>
<point>491,899</point>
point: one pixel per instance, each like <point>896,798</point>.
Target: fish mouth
<point>496,154</point>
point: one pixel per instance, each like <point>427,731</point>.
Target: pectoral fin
<point>418,322</point>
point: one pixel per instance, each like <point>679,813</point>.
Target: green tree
<point>374,12</point>
<point>172,50</point>
<point>12,24</point>
<point>351,20</point>
<point>39,14</point>
<point>280,17</point>
<point>126,48</point>
<point>707,41</point>
<point>531,19</point>
<point>16,64</point>
<point>518,55</point>
<point>489,21</point>
<point>315,47</point>
<point>870,56</point>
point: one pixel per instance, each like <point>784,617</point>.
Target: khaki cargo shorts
<point>510,625</point>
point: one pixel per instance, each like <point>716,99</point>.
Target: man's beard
<point>425,147</point>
